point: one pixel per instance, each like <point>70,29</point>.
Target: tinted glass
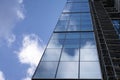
<point>74,28</point>
<point>55,43</point>
<point>72,35</point>
<point>87,43</point>
<point>46,70</point>
<point>90,70</point>
<point>70,54</point>
<point>87,35</point>
<point>88,55</point>
<point>51,54</point>
<point>68,70</point>
<point>58,36</point>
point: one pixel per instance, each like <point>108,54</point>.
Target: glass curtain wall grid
<point>108,41</point>
<point>71,52</point>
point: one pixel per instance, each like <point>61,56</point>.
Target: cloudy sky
<point>25,27</point>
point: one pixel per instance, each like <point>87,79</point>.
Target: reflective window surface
<point>116,24</point>
<point>68,70</point>
<point>51,54</point>
<point>77,0</point>
<point>90,70</point>
<point>71,52</point>
<point>46,70</point>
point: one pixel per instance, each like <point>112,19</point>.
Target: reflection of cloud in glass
<point>88,45</point>
<point>88,52</point>
<point>70,55</point>
<point>68,66</point>
<point>55,44</point>
<point>68,70</point>
<point>90,70</point>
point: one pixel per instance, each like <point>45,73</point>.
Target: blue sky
<point>25,27</point>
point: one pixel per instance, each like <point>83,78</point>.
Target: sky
<point>25,28</point>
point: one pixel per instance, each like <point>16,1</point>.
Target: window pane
<point>70,54</point>
<point>46,70</point>
<point>77,0</point>
<point>51,55</point>
<point>55,43</point>
<point>87,35</point>
<point>74,28</point>
<point>71,43</point>
<point>68,70</point>
<point>72,35</point>
<point>61,25</point>
<point>86,28</point>
<point>74,22</point>
<point>87,43</point>
<point>88,55</point>
<point>75,17</point>
<point>58,36</point>
<point>90,70</point>
<point>65,17</point>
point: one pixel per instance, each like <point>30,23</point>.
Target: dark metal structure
<point>107,38</point>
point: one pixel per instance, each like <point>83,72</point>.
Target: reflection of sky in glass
<point>46,70</point>
<point>68,70</point>
<point>51,54</point>
<point>72,47</point>
<point>90,70</point>
<point>70,54</point>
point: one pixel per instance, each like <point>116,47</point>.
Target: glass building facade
<point>71,51</point>
<point>84,45</point>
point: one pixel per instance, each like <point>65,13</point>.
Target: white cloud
<point>30,53</point>
<point>2,76</point>
<point>11,12</point>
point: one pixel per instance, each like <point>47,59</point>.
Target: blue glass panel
<point>90,70</point>
<point>74,22</point>
<point>68,70</point>
<point>73,28</point>
<point>85,16</point>
<point>87,43</point>
<point>77,0</point>
<point>51,54</point>
<point>61,25</point>
<point>65,17</point>
<point>55,43</point>
<point>67,7</point>
<point>46,70</point>
<point>72,35</point>
<point>71,42</point>
<point>87,35</point>
<point>88,55</point>
<point>71,46</point>
<point>58,36</point>
<point>86,28</point>
<point>70,54</point>
<point>75,17</point>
